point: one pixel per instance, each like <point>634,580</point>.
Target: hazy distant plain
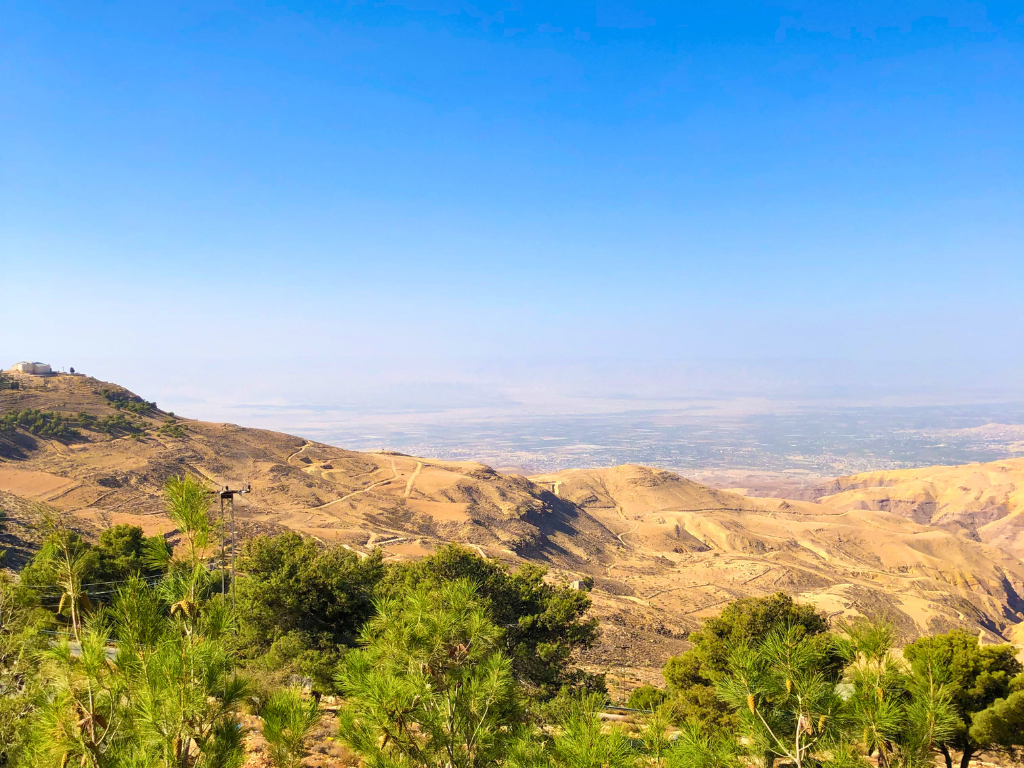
<point>822,441</point>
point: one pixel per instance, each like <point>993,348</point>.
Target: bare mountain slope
<point>359,499</point>
<point>664,551</point>
<point>984,501</point>
<point>689,548</point>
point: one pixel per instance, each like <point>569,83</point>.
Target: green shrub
<point>982,681</point>
<point>37,422</point>
<point>431,686</point>
<point>171,428</point>
<point>117,424</point>
<point>585,742</point>
<point>543,623</point>
<point>288,721</point>
<point>122,400</point>
<point>691,675</point>
<point>122,552</point>
<point>785,696</point>
<point>301,604</point>
<point>646,697</point>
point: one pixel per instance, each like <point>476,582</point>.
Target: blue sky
<point>506,196</point>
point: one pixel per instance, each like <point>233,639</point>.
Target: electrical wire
<point>147,579</point>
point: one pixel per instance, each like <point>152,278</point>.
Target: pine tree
<point>288,721</point>
<point>787,704</point>
<point>429,686</point>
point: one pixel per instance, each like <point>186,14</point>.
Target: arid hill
<point>691,548</point>
<point>983,501</point>
<point>361,500</point>
<point>663,551</point>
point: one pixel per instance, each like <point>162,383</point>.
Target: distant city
<point>819,442</point>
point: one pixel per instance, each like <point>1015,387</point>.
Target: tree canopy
<point>123,551</point>
<point>541,623</point>
<point>301,602</point>
<point>430,685</point>
<point>692,674</point>
<point>977,677</point>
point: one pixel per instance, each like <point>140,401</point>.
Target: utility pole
<point>229,494</point>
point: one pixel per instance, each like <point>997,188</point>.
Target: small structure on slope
<point>36,369</point>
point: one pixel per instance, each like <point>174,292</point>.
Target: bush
<point>543,624</point>
<point>897,715</point>
<point>585,742</point>
<point>20,643</point>
<point>42,423</point>
<point>646,697</point>
<point>701,747</point>
<point>117,424</point>
<point>302,603</point>
<point>288,721</point>
<point>171,428</point>
<point>122,400</point>
<point>700,704</point>
<point>981,681</point>
<point>692,674</point>
<point>784,695</point>
<point>122,552</point>
<point>430,686</point>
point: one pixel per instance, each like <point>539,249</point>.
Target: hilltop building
<point>36,369</point>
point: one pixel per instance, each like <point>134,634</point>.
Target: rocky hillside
<point>688,549</point>
<point>982,501</point>
<point>112,475</point>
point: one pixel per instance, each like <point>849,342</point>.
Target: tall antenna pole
<point>229,494</point>
<point>232,552</point>
<point>223,553</point>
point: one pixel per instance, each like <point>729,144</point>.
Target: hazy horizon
<point>787,418</point>
<point>318,216</point>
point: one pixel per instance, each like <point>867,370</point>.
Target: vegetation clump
<point>42,423</point>
<point>151,680</point>
<point>288,720</point>
<point>303,604</point>
<point>122,552</point>
<point>430,659</point>
<point>984,685</point>
<point>117,424</point>
<point>125,401</point>
<point>542,624</point>
<point>62,427</point>
<point>112,424</point>
<point>691,676</point>
<point>171,428</point>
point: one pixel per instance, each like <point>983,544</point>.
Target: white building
<point>37,369</point>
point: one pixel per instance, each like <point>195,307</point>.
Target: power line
<point>146,579</point>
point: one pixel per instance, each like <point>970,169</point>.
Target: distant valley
<point>709,438</point>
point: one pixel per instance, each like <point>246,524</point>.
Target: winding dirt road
<point>370,487</point>
<point>412,478</point>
